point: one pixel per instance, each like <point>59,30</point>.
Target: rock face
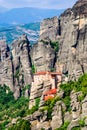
<point>15,65</point>
<point>21,63</point>
<point>6,66</point>
<point>70,30</point>
<point>80,8</point>
<point>43,57</point>
<point>57,119</point>
<point>60,115</point>
<point>72,53</point>
<point>49,28</point>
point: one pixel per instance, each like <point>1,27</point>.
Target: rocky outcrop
<point>43,56</point>
<point>49,29</point>
<point>21,63</point>
<point>6,65</point>
<point>15,65</point>
<point>70,30</point>
<point>72,53</point>
<point>80,8</point>
<point>57,115</point>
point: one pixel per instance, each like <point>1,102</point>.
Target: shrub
<point>67,88</point>
<point>55,45</point>
<point>37,101</point>
<point>22,125</point>
<point>49,104</point>
<point>17,73</point>
<point>82,122</point>
<point>2,126</point>
<point>64,126</point>
<point>76,128</point>
<point>27,87</point>
<point>80,85</point>
<point>33,69</point>
<point>81,98</point>
<point>52,69</point>
<point>66,101</point>
<point>34,108</point>
<point>42,129</point>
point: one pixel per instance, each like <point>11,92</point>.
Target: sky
<point>49,4</point>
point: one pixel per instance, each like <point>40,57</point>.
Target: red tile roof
<point>48,97</point>
<point>41,73</point>
<point>47,72</point>
<point>51,91</point>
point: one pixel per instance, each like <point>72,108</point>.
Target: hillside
<point>11,33</point>
<point>61,110</point>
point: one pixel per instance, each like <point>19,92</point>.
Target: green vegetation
<point>42,129</point>
<point>17,73</point>
<point>55,45</point>
<point>49,106</point>
<point>52,69</point>
<point>67,88</point>
<point>36,107</point>
<point>11,108</point>
<point>21,125</point>
<point>27,87</point>
<point>45,42</point>
<point>33,69</point>
<point>82,122</point>
<point>80,85</point>
<point>76,128</point>
<point>64,126</point>
<point>81,97</point>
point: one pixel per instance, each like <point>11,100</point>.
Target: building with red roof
<point>54,79</point>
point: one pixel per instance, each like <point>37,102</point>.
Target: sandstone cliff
<point>43,56</point>
<point>6,65</point>
<point>70,30</point>
<point>72,52</point>
<point>15,65</point>
<point>71,60</point>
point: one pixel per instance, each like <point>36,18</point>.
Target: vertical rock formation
<point>43,56</point>
<point>15,65</point>
<point>72,53</point>
<point>49,29</point>
<point>70,30</point>
<point>6,67</point>
<point>22,63</point>
<point>57,119</point>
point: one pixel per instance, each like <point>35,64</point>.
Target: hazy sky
<point>55,4</point>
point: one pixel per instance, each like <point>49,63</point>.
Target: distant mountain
<point>3,9</point>
<point>11,33</point>
<point>27,15</point>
